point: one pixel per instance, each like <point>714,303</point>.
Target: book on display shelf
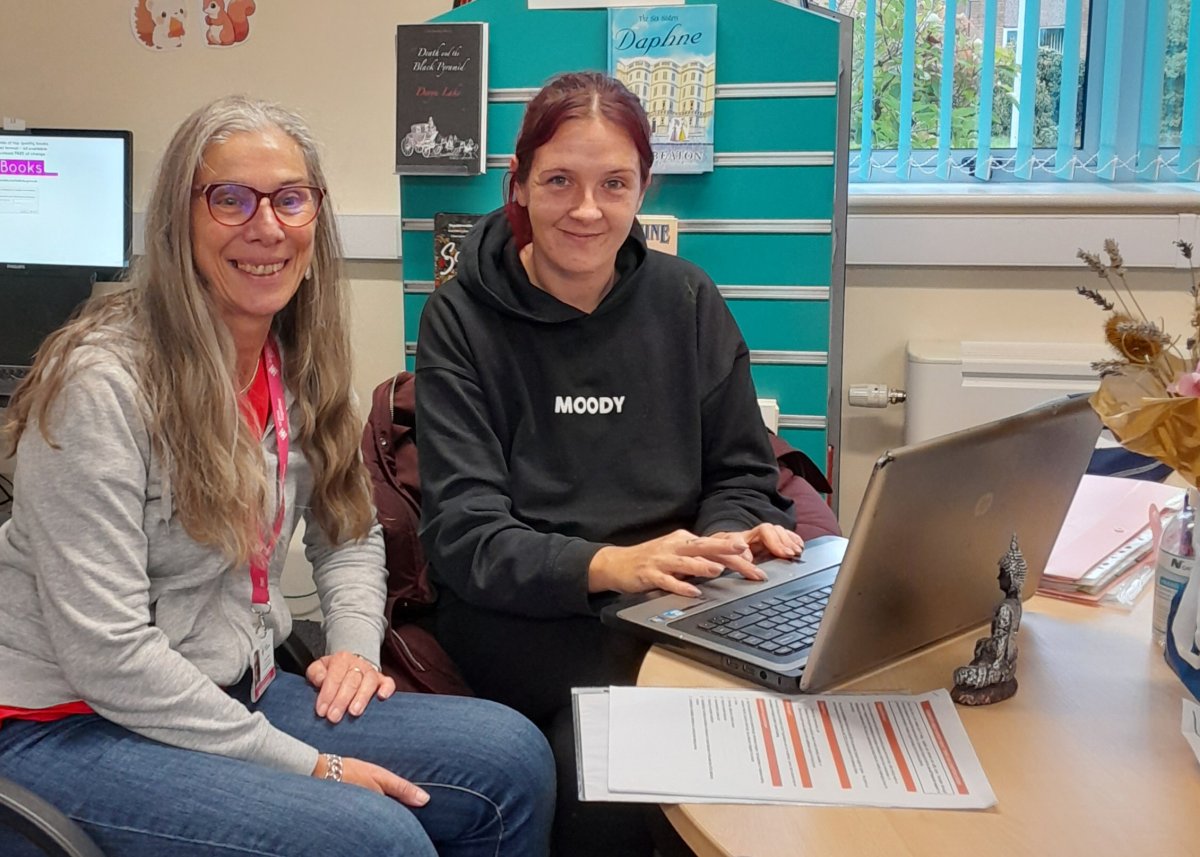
<point>441,98</point>
<point>661,231</point>
<point>667,56</point>
<point>449,230</point>
<point>592,4</point>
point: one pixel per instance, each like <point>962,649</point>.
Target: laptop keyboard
<point>10,377</point>
<point>779,625</point>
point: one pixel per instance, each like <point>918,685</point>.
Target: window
<point>1058,105</point>
<point>1052,38</point>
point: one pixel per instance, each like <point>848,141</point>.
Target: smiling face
<point>252,270</point>
<point>583,191</point>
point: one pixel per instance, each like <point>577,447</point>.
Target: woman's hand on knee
<point>662,563</point>
<point>365,775</point>
<point>347,682</point>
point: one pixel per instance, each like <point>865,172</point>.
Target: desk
<point>1086,759</point>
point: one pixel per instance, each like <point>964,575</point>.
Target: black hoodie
<point>546,433</point>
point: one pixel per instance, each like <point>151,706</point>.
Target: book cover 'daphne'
<point>668,57</point>
<point>441,98</point>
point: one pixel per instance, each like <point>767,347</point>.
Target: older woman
<point>587,426</point>
<point>167,442</point>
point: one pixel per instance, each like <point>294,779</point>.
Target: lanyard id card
<point>262,663</point>
<point>262,659</point>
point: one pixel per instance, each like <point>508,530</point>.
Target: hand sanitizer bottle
<point>1176,559</point>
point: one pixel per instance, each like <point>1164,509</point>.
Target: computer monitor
<point>66,221</point>
<point>66,201</point>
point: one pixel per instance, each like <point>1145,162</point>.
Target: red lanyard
<point>260,597</point>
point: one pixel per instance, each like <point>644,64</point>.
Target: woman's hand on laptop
<point>768,540</point>
<point>662,563</point>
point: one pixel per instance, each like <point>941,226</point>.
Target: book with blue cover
<point>667,55</point>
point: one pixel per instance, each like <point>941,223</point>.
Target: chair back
<point>41,824</point>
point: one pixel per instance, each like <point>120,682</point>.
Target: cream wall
<point>887,307</point>
<point>333,62</point>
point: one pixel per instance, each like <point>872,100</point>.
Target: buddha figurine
<point>991,675</point>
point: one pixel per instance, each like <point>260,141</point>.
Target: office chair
<point>56,835</point>
<point>301,648</point>
<point>41,824</point>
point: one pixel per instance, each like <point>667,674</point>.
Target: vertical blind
<point>946,90</point>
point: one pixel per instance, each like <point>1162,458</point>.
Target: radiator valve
<point>875,396</point>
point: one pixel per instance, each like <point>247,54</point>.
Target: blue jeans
<point>488,771</point>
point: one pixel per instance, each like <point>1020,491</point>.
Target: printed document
<point>1191,725</point>
<point>686,745</point>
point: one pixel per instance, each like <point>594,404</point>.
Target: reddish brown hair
<point>573,95</point>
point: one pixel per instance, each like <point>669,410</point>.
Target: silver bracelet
<point>333,767</point>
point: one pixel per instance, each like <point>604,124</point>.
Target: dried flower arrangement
<point>1149,395</point>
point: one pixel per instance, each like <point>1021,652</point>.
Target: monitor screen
<point>66,200</point>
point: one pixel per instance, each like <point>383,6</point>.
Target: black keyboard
<point>779,625</point>
<point>10,377</point>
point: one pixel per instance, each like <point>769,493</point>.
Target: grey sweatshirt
<point>106,598</point>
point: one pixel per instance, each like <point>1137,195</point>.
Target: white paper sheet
<point>687,745</point>
<point>591,752</point>
<point>1191,725</point>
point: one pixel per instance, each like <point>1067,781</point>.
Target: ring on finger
<point>357,670</point>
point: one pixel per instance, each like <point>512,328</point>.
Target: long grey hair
<point>184,356</point>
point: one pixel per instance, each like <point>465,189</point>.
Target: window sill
<point>1042,197</point>
<point>1011,225</point>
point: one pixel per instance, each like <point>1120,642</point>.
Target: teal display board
<point>767,224</point>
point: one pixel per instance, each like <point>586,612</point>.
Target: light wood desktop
<point>1086,759</point>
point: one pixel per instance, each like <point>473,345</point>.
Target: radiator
<point>953,385</point>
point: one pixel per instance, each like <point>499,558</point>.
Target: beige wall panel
<point>377,315</point>
<point>887,307</point>
<point>77,64</point>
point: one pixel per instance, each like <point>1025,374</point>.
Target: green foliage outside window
<point>927,79</point>
<point>1173,72</point>
<point>1045,103</point>
<point>968,59</point>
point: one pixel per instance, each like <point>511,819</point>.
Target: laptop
<point>920,565</point>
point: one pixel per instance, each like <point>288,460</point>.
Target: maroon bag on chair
<point>802,482</point>
<point>411,655</point>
